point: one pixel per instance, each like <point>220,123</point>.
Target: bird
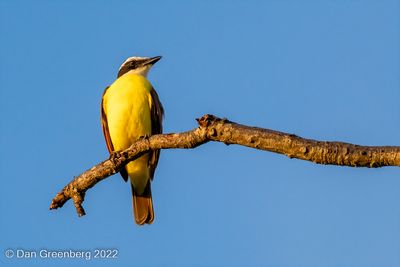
<point>131,109</point>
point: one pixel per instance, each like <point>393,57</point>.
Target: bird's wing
<point>106,133</point>
<point>104,124</point>
<point>157,113</point>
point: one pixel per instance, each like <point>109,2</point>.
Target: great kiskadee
<point>131,109</point>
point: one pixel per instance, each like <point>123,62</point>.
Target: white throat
<point>141,71</point>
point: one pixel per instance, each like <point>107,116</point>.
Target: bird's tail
<point>143,205</point>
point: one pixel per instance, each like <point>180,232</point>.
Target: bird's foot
<point>115,157</point>
<point>146,136</point>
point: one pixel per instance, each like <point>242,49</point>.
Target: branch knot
<point>207,120</point>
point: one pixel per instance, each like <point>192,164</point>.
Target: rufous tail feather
<point>143,206</point>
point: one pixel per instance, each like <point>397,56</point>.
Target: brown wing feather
<point>104,124</point>
<point>157,113</point>
<point>106,133</point>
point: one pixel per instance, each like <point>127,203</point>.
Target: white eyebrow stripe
<point>130,59</point>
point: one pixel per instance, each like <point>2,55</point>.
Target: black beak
<point>151,60</point>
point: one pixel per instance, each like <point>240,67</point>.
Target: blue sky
<point>325,70</point>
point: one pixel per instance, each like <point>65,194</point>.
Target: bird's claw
<point>146,136</point>
<point>115,157</point>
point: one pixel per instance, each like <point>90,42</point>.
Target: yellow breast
<point>127,106</point>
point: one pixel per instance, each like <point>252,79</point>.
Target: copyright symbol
<point>9,253</point>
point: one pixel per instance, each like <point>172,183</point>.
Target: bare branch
<point>212,128</point>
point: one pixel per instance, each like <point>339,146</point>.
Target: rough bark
<point>212,128</point>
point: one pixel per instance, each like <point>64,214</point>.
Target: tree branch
<point>212,128</point>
